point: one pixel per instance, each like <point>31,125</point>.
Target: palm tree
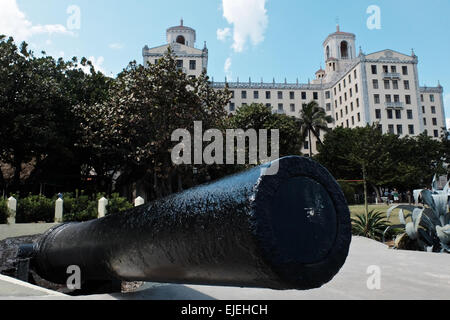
<point>313,119</point>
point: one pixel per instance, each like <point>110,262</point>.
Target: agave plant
<point>429,226</point>
<point>370,226</point>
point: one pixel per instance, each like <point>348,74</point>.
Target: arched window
<point>328,52</point>
<point>181,40</point>
<point>344,50</point>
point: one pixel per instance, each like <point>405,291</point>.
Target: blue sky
<point>258,38</point>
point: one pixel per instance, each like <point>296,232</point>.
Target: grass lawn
<point>359,209</point>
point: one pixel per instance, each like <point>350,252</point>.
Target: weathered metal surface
<point>287,231</point>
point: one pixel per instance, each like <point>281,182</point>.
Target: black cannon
<point>290,230</point>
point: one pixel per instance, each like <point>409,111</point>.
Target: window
<point>340,88</point>
<point>355,74</point>
<point>328,106</point>
<point>353,121</point>
<point>375,83</point>
<point>378,113</point>
<point>306,145</point>
<point>421,98</point>
<point>357,102</point>
<point>409,114</point>
<point>424,121</point>
<point>303,95</point>
<point>181,40</point>
<point>346,110</point>
<point>156,61</point>
<point>315,96</point>
<point>399,129</point>
<point>255,94</point>
<point>179,64</point>
<point>280,107</point>
<point>396,98</point>
<point>232,107</point>
<point>376,97</point>
<point>359,117</point>
<point>406,84</point>
<point>434,122</point>
<point>342,114</point>
<point>292,95</point>
<point>344,50</point>
<point>405,70</point>
<point>395,84</point>
<point>408,99</point>
<point>385,69</point>
<point>292,107</point>
<point>436,134</point>
<point>351,92</point>
<point>423,109</point>
<point>391,129</point>
<point>389,114</point>
<point>327,94</point>
<point>411,129</point>
<point>340,100</point>
<point>244,94</point>
<point>192,64</point>
<point>387,84</point>
<point>356,88</point>
<point>433,110</point>
<point>334,90</point>
<point>345,96</point>
<point>393,69</point>
<point>337,116</point>
<point>431,97</point>
<point>267,94</point>
<point>269,105</point>
<point>347,123</point>
<point>232,94</point>
<point>349,78</point>
<point>388,98</point>
<point>374,69</point>
<point>398,114</point>
<point>280,94</point>
<point>351,106</point>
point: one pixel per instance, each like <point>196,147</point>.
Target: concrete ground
<point>372,271</point>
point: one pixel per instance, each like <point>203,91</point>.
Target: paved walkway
<point>403,275</point>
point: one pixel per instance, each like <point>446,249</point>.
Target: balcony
<point>394,105</point>
<point>391,75</point>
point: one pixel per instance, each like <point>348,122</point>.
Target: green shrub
<point>35,209</point>
<point>85,208</point>
<point>371,226</point>
<point>3,211</point>
<point>117,204</point>
<point>79,209</point>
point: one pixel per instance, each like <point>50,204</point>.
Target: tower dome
<point>340,45</point>
<point>182,35</point>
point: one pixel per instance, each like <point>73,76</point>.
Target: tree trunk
<point>310,143</point>
<point>366,203</point>
<point>378,193</point>
<point>17,165</point>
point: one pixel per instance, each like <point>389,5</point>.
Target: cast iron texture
<point>291,230</point>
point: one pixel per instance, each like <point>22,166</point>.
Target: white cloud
<point>223,34</point>
<point>227,68</point>
<point>97,63</point>
<point>116,46</point>
<point>13,22</point>
<point>249,19</point>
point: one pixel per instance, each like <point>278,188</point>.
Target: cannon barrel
<point>290,230</point>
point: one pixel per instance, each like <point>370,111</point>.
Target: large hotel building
<point>355,89</point>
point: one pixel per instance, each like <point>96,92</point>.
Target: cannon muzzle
<point>290,230</point>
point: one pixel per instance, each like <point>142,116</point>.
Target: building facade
<point>355,89</point>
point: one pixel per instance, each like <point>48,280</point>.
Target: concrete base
<point>25,229</point>
<point>406,275</point>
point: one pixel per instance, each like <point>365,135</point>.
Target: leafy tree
<point>259,116</point>
<point>313,120</point>
<point>130,133</point>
